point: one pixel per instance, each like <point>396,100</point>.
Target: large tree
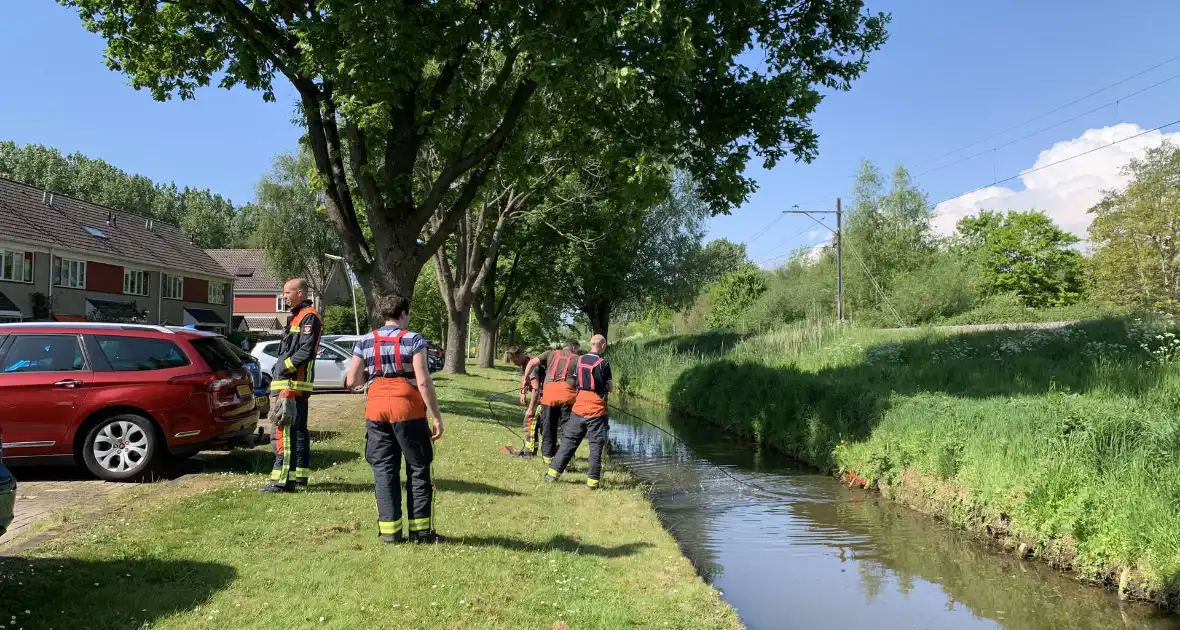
<point>1136,234</point>
<point>378,81</point>
<point>1026,254</point>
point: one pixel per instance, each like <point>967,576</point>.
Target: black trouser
<point>552,419</point>
<point>385,443</point>
<point>571,438</point>
<point>292,446</point>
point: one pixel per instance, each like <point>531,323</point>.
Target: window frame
<point>28,269</point>
<point>110,365</point>
<point>129,272</point>
<point>168,293</point>
<point>280,304</point>
<point>63,265</point>
<point>224,289</point>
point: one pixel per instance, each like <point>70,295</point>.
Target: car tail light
<point>221,389</point>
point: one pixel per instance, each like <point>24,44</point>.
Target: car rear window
<point>218,353</point>
<point>271,349</point>
<point>135,354</point>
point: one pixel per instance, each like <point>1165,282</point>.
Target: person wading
<point>399,396</point>
<point>589,417</point>
<point>557,395</point>
<point>292,377</point>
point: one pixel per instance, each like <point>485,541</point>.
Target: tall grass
<point>1067,440</point>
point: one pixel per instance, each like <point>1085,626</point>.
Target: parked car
<point>119,398</point>
<point>7,492</point>
<point>260,379</point>
<point>434,356</point>
<point>344,342</point>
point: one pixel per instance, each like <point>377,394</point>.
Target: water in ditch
<point>803,551</point>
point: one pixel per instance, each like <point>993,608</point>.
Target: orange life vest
<point>588,403</point>
<point>391,396</point>
<point>558,391</point>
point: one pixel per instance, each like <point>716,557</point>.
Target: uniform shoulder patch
<point>307,329</point>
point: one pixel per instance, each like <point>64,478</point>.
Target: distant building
<point>65,259</point>
<point>258,303</point>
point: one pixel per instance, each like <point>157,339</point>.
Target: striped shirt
<point>411,344</point>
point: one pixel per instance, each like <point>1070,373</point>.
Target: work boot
<point>274,488</point>
<point>428,536</point>
<point>302,483</point>
<point>396,537</point>
<point>550,479</point>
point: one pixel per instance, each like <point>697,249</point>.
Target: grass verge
<point>210,552</point>
<point>1064,443</point>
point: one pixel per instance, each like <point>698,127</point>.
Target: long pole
<point>839,263</point>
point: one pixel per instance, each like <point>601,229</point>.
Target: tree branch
<point>444,225</point>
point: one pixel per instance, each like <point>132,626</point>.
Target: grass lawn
<point>208,551</point>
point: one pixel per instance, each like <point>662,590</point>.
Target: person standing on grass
<point>292,377</point>
<point>530,388</point>
<point>589,417</point>
<point>395,421</point>
<point>557,395</point>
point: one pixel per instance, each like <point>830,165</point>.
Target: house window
<point>174,287</point>
<point>135,282</point>
<point>280,304</point>
<point>217,292</point>
<point>16,266</point>
<point>70,273</point>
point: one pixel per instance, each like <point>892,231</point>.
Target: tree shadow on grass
<point>323,436</point>
<point>442,485</point>
<point>260,460</point>
<point>807,412</point>
<point>124,593</point>
<point>557,543</point>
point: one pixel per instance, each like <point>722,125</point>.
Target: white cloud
<point>812,235</point>
<point>1064,191</point>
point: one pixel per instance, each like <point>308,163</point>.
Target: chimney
<point>44,195</point>
<point>147,224</point>
<point>51,199</point>
<point>110,219</point>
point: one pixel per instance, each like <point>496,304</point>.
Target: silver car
<point>331,363</point>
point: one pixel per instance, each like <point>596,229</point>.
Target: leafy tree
<point>719,257</point>
<point>1136,235</point>
<point>630,253</point>
<point>1027,254</point>
<point>730,296</point>
<point>379,82</point>
<point>292,226</point>
<point>338,320</point>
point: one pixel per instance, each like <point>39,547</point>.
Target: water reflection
<point>790,548</point>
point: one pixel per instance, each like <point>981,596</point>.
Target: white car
<point>331,362</point>
<point>344,342</point>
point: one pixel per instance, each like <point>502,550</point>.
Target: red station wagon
<point>119,398</point>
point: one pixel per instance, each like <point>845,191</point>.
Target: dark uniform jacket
<point>295,367</point>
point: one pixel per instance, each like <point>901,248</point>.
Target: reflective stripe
<point>419,524</point>
<point>593,483</point>
<point>299,386</point>
<point>290,364</point>
<point>283,474</point>
<point>295,328</point>
<point>553,473</point>
<point>302,473</point>
<point>547,460</point>
<point>389,527</point>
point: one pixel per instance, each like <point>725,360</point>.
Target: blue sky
<point>952,73</point>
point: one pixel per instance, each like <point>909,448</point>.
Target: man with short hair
<point>529,390</point>
<point>291,378</point>
<point>557,395</point>
<point>589,415</point>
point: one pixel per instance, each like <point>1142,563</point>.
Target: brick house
<point>69,260</point>
<point>258,293</point>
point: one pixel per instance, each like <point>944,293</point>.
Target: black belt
<point>384,375</point>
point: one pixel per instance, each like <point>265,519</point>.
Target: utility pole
<point>838,237</point>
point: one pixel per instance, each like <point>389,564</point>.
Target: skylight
<point>95,232</point>
<point>244,272</point>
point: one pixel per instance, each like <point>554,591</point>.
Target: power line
<point>1044,129</point>
<point>763,230</point>
<point>1063,160</point>
<point>786,243</point>
<point>1052,111</point>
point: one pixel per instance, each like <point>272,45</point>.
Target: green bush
<point>338,320</point>
<point>928,295</point>
<point>733,293</point>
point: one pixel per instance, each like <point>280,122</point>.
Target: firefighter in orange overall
<point>292,377</point>
<point>589,417</point>
<point>557,395</point>
<point>399,395</point>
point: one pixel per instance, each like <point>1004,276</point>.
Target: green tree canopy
<point>380,81</point>
<point>1136,234</point>
<point>1025,253</point>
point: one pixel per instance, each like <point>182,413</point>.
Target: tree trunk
<point>456,352</point>
<point>487,342</point>
<point>599,315</point>
<point>395,279</point>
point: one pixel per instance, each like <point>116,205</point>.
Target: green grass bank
<point>1062,444</point>
<point>208,551</point>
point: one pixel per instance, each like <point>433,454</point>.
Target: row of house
<point>64,259</point>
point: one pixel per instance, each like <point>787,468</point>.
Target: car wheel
<point>122,448</point>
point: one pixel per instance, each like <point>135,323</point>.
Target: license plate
<point>244,391</point>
